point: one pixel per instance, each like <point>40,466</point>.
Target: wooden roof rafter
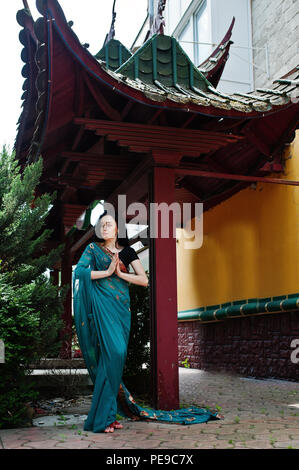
<point>143,138</point>
<point>116,167</point>
<point>100,99</point>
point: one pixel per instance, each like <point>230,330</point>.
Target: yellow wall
<point>250,245</point>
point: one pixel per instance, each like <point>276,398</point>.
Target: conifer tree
<point>22,217</point>
<point>31,307</point>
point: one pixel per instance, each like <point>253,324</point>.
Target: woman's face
<point>108,228</point>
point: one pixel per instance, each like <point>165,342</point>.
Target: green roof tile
<point>162,62</point>
<point>114,54</point>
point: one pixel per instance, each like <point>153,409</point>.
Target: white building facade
<point>263,35</point>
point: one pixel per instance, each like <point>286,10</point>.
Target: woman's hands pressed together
<point>113,265</point>
<point>139,277</point>
<point>117,267</point>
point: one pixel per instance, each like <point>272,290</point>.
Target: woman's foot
<point>117,425</point>
<point>110,428</point>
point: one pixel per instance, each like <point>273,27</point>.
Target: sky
<point>92,19</point>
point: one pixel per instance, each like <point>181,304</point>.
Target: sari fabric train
<point>103,318</point>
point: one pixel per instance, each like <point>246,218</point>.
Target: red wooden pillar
<point>163,279</point>
<point>66,333</point>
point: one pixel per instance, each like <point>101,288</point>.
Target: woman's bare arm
<point>108,272</point>
<point>99,274</point>
<point>140,278</point>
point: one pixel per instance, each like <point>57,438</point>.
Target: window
<point>202,34</point>
<point>174,11</point>
<point>203,25</point>
<point>184,5</point>
<point>196,30</point>
<point>187,35</point>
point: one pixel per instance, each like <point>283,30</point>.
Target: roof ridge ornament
<point>156,18</point>
<point>26,6</point>
<point>111,33</point>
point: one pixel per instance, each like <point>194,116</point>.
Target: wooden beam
<point>209,174</point>
<point>155,116</point>
<point>158,142</point>
<point>167,146</point>
<point>116,167</point>
<point>127,109</point>
<point>81,131</point>
<point>189,120</point>
<point>101,101</point>
<point>168,132</point>
<point>78,138</point>
<point>101,159</point>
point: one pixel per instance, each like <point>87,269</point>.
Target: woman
<point>102,315</point>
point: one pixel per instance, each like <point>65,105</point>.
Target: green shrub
<point>28,334</point>
<point>30,306</point>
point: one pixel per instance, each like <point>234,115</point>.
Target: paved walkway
<point>258,414</point>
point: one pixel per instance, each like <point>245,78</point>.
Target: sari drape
<point>103,318</point>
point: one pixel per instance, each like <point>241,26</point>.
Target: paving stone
<point>13,444</point>
<point>255,444</point>
<point>147,444</point>
<point>251,408</point>
<point>72,444</point>
<point>285,444</point>
<point>116,446</point>
<point>222,445</point>
<point>235,437</point>
<point>49,444</point>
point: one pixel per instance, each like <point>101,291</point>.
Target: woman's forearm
<point>138,279</point>
<point>99,274</point>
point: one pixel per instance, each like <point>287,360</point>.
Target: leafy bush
<point>28,334</point>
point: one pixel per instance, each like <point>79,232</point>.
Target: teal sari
<point>102,319</point>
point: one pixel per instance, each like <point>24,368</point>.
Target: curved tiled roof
<point>63,81</point>
<point>162,71</point>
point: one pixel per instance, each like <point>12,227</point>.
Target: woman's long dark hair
<point>121,225</point>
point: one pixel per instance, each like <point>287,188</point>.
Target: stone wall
<point>275,22</point>
<point>257,346</point>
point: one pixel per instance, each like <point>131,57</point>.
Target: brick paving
<point>258,414</point>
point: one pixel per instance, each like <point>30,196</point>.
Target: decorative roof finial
<point>111,33</point>
<point>156,18</point>
<point>26,6</point>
